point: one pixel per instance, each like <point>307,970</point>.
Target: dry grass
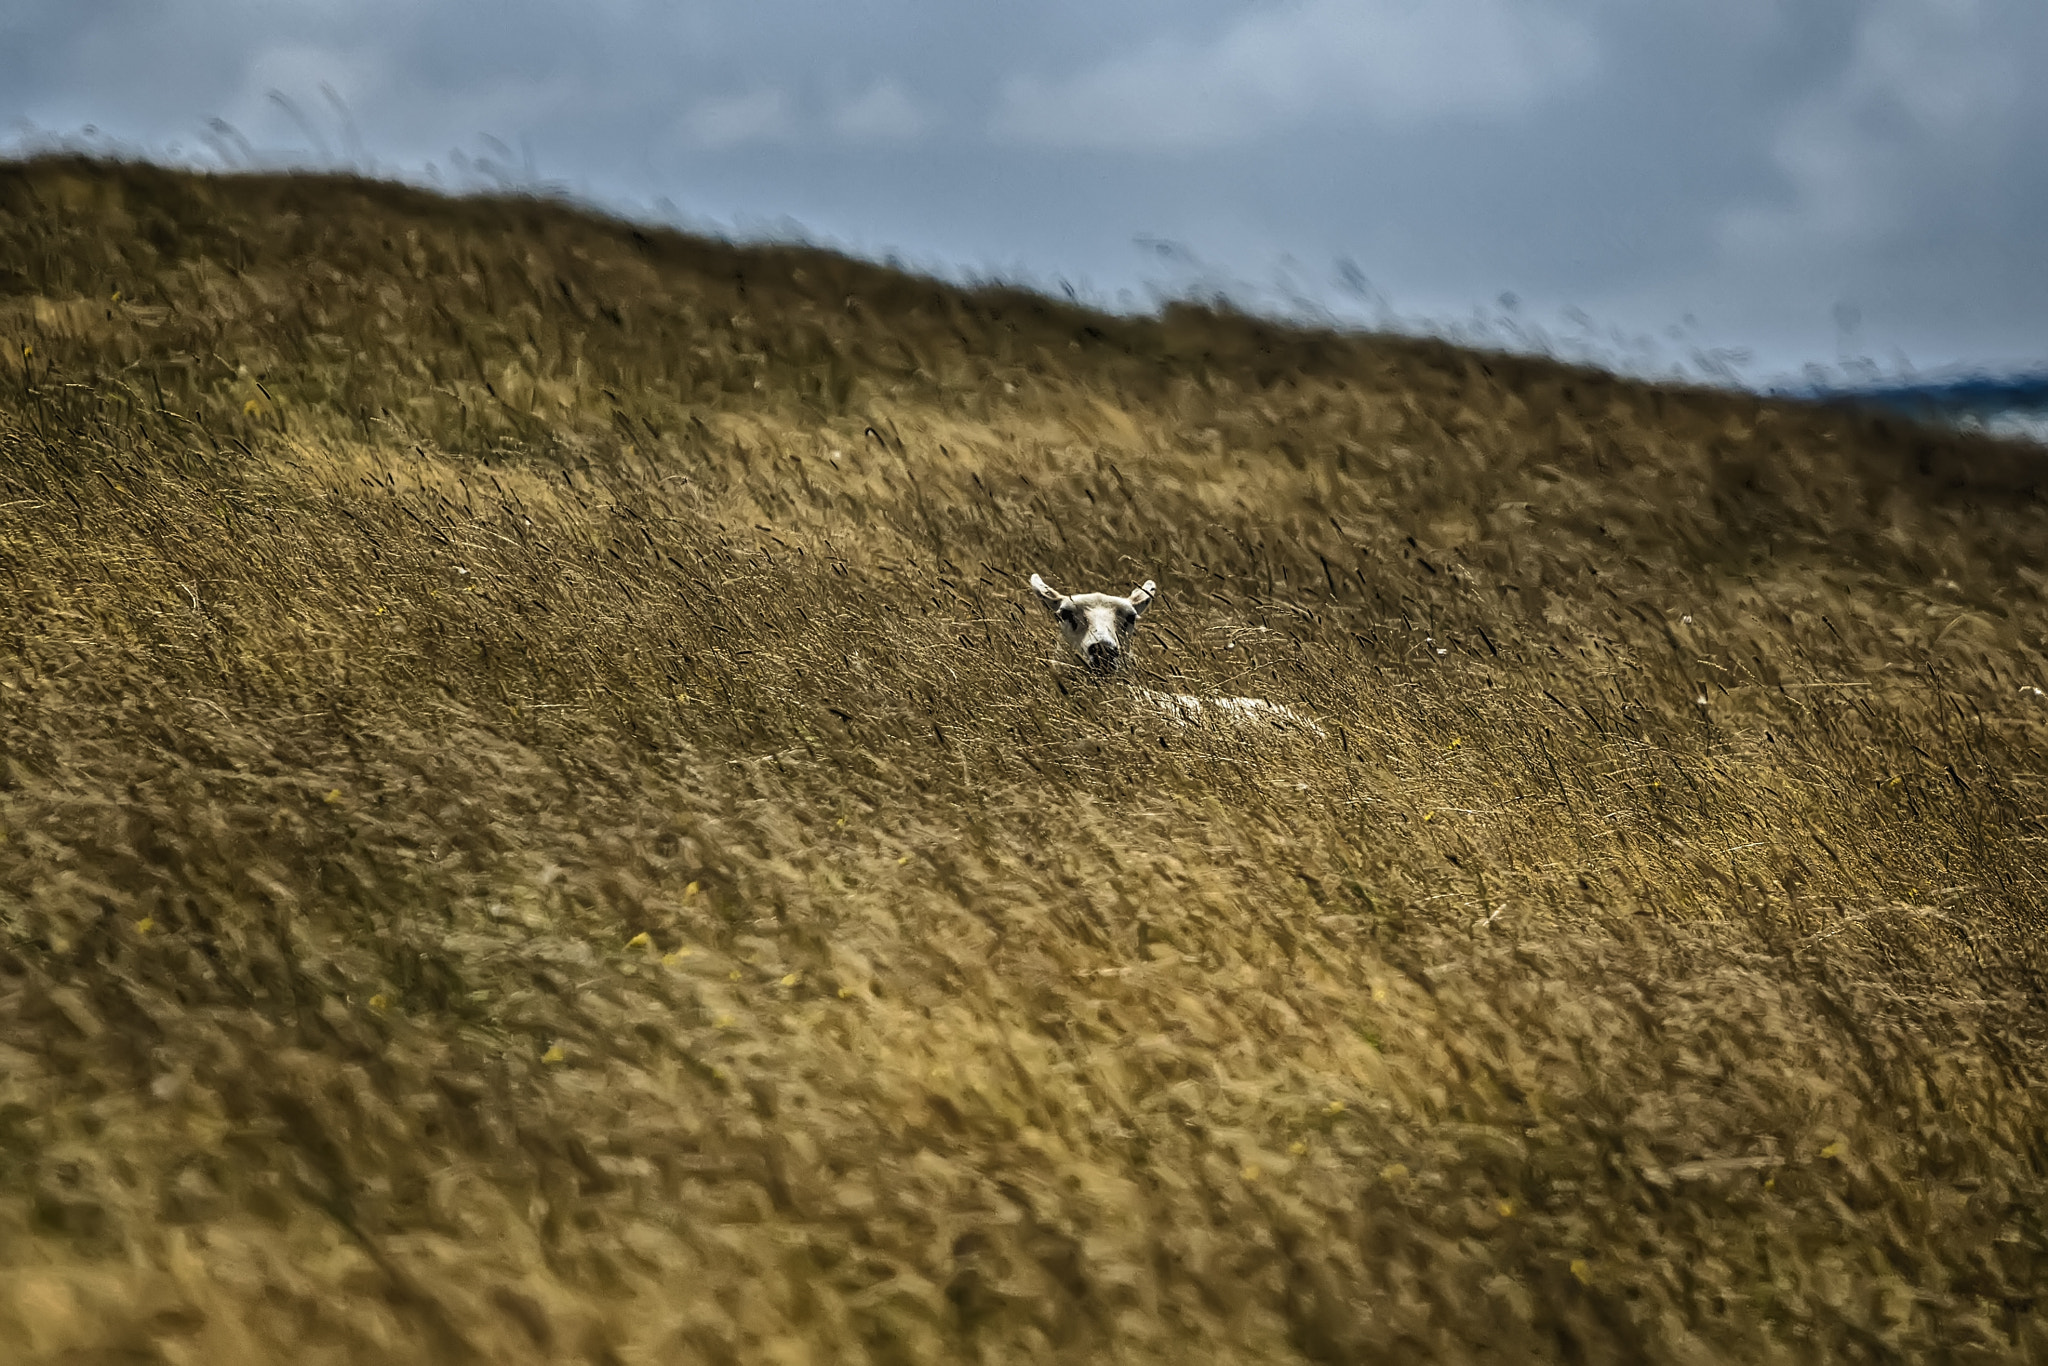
<point>541,823</point>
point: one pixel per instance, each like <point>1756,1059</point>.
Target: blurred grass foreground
<point>539,822</point>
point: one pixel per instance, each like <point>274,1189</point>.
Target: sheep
<point>1098,628</point>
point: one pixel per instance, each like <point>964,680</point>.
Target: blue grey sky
<point>1804,180</point>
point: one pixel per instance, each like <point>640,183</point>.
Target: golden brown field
<point>540,822</point>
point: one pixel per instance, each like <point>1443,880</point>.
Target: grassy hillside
<point>539,822</point>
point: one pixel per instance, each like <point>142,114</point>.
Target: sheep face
<point>1096,626</point>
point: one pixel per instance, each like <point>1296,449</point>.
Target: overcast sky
<point>1804,179</point>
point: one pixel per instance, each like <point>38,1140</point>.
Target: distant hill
<point>540,822</point>
<point>2016,403</point>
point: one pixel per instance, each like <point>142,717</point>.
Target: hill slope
<point>540,823</point>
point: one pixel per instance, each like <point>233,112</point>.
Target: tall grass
<point>541,823</point>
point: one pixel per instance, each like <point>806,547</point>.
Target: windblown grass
<point>541,823</point>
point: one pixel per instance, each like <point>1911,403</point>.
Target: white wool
<point>1189,710</point>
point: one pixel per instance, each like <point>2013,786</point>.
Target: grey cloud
<point>1279,68</point>
<point>734,121</point>
<point>1909,182</point>
<point>882,113</point>
<point>1934,102</point>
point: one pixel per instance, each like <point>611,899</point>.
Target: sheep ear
<point>1051,599</point>
<point>1141,598</point>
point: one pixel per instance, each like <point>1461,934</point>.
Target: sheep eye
<point>1070,616</point>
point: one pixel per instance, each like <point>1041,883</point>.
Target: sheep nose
<point>1102,655</point>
